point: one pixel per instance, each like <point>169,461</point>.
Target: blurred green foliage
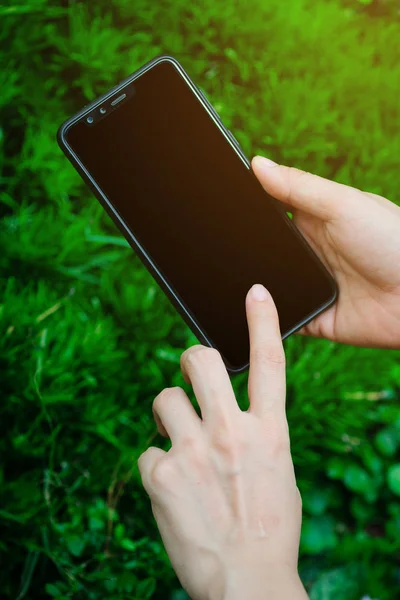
<point>87,338</point>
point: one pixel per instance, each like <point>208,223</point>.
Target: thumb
<point>300,190</point>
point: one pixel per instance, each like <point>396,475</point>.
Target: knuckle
<point>189,444</point>
<point>269,354</point>
<point>223,443</point>
<point>203,355</point>
<point>185,355</point>
<point>293,177</point>
<point>163,474</point>
<point>165,396</point>
<point>142,461</point>
<point>280,444</point>
<point>199,463</point>
<point>277,433</point>
<point>231,446</point>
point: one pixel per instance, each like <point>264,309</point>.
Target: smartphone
<point>175,181</point>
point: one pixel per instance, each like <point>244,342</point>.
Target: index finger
<point>267,376</point>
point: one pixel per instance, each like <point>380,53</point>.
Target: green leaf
<point>119,531</point>
<point>26,9</point>
<point>371,460</point>
<point>96,524</point>
<point>29,568</point>
<point>231,54</point>
<point>75,544</point>
<point>318,534</point>
<point>387,441</point>
<point>316,501</point>
<point>361,511</point>
<point>111,584</point>
<point>146,588</point>
<point>336,467</point>
<point>53,590</point>
<point>107,239</point>
<point>179,595</point>
<point>127,544</point>
<point>357,479</point>
<point>393,479</point>
<point>335,584</point>
<point>127,582</point>
<point>169,354</point>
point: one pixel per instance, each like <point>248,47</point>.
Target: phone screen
<point>198,210</point>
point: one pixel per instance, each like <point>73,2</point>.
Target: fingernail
<point>265,163</point>
<point>258,292</point>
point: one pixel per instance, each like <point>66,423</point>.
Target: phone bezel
<point>148,262</point>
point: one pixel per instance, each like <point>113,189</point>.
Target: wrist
<point>262,584</point>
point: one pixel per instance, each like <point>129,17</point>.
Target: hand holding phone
<point>177,184</point>
<point>358,234</point>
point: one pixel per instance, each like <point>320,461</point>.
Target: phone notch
<point>109,105</point>
<point>118,99</point>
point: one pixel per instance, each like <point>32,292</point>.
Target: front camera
<point>103,110</point>
<point>89,120</point>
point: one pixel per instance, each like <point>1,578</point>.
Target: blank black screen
<point>198,211</point>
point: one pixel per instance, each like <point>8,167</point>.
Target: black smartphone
<point>175,181</point>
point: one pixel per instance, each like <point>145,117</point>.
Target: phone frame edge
<point>135,244</point>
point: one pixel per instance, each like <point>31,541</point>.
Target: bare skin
<point>225,496</point>
<point>357,235</point>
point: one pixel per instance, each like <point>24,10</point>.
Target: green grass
<point>88,340</point>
